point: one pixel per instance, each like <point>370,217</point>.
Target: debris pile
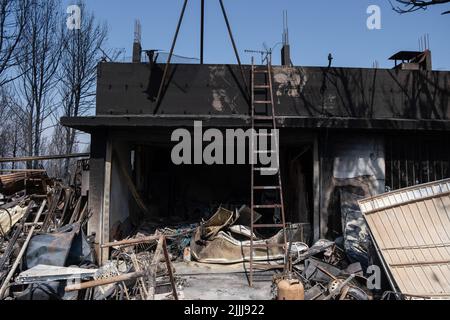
<point>225,239</point>
<point>45,253</point>
<point>326,273</point>
<point>135,272</point>
<point>323,270</point>
<point>41,227</point>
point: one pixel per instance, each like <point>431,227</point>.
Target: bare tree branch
<point>78,73</point>
<point>415,5</point>
<point>11,133</point>
<point>41,44</point>
<point>13,19</point>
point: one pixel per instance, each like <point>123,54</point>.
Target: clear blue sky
<point>317,27</point>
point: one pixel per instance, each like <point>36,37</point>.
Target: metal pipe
<point>166,68</point>
<point>22,170</point>
<point>202,31</point>
<point>233,42</point>
<point>56,157</point>
<point>130,242</point>
<point>169,268</point>
<point>252,177</point>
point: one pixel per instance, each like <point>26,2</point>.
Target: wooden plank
<point>104,252</point>
<point>102,282</point>
<point>130,242</point>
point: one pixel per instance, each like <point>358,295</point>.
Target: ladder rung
<point>261,86</point>
<point>266,169</point>
<point>267,245</point>
<point>263,117</point>
<point>264,134</point>
<point>268,226</point>
<point>266,188</point>
<point>262,102</point>
<point>266,266</point>
<point>260,71</point>
<point>268,206</point>
<point>265,151</point>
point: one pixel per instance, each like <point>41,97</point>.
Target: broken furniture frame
<point>151,273</point>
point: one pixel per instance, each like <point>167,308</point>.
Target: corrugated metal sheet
<point>411,229</point>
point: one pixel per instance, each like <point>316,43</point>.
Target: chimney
<point>415,60</point>
<point>137,48</point>
<point>286,55</point>
<point>427,62</point>
<point>286,49</point>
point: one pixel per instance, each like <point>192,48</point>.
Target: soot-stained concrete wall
<point>127,88</point>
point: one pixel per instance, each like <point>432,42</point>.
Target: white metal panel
<point>411,228</point>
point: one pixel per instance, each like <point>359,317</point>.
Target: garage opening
<point>187,194</point>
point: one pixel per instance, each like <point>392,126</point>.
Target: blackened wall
<point>126,88</point>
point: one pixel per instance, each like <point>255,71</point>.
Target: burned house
<point>345,134</point>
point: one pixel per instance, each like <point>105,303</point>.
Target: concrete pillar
<point>96,184</point>
<point>286,55</point>
<point>137,52</point>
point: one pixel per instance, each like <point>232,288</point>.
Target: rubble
<point>57,260</point>
<point>45,254</point>
<point>220,240</point>
<point>42,222</point>
<point>326,275</point>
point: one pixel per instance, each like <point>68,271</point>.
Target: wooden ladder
<point>267,120</point>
